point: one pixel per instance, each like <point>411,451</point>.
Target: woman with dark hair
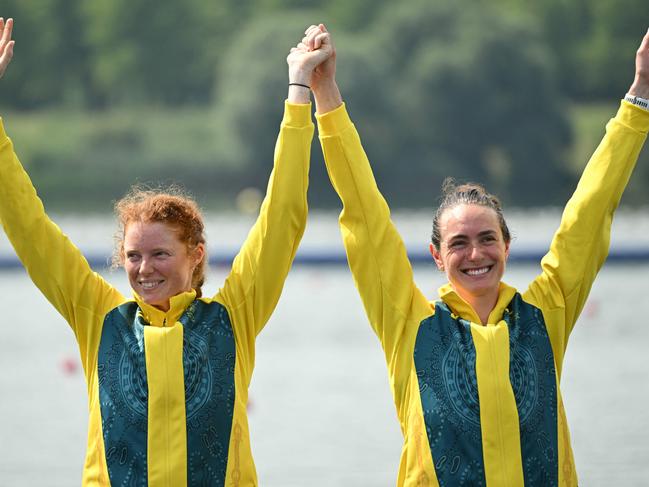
<point>475,374</point>
<point>167,371</point>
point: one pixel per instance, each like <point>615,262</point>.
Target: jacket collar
<point>464,310</point>
<point>177,305</point>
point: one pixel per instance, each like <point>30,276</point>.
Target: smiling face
<point>472,251</point>
<point>158,264</point>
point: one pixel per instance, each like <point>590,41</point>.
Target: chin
<point>155,301</point>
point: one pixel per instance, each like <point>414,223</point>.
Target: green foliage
<point>49,61</point>
<point>193,91</point>
<point>469,101</point>
<point>594,43</point>
<point>157,53</point>
<point>73,158</point>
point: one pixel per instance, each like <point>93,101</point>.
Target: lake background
<point>321,412</point>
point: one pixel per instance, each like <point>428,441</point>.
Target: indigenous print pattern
<point>123,396</point>
<point>533,377</point>
<point>445,359</point>
<point>208,362</point>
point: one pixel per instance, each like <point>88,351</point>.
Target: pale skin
<point>473,252</point>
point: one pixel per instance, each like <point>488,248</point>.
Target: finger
<point>310,28</point>
<point>6,56</point>
<point>313,32</point>
<point>7,50</point>
<point>299,48</point>
<point>320,40</point>
<point>6,32</point>
<point>310,39</point>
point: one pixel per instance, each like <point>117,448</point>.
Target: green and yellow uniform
<point>479,404</point>
<point>167,391</point>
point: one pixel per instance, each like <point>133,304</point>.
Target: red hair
<point>170,206</point>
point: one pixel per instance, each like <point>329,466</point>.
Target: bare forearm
<point>327,97</point>
<point>298,89</point>
<point>640,86</point>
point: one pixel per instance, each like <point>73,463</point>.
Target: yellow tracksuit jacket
<point>167,392</point>
<point>479,405</point>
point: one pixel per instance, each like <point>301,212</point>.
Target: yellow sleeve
<point>253,287</point>
<point>580,245</point>
<point>54,264</point>
<point>375,251</point>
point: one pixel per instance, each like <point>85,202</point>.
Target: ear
<point>436,257</point>
<point>198,253</point>
<point>507,251</point>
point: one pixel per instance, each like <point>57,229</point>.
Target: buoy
<point>69,365</point>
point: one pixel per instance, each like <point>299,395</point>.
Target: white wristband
<point>636,100</point>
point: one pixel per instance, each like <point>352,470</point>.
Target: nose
<point>146,266</point>
<point>474,252</point>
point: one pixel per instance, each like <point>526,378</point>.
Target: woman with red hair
<point>168,370</point>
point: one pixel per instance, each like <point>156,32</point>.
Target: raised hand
<point>640,86</point>
<point>313,62</point>
<point>6,44</point>
<point>317,40</point>
<point>312,57</point>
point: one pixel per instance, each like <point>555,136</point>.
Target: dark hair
<point>171,206</point>
<point>466,194</point>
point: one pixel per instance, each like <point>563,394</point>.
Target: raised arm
<point>376,253</point>
<point>253,287</point>
<point>580,245</point>
<point>55,265</point>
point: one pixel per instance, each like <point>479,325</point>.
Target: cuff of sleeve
<point>297,114</point>
<point>333,122</point>
<point>633,116</point>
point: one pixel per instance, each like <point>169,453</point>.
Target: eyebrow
<point>483,233</point>
<point>156,249</point>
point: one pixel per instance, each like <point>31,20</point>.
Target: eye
<point>457,244</point>
<point>132,256</point>
<point>161,253</point>
<point>489,239</point>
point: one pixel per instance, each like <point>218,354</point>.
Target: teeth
<point>148,285</point>
<point>477,272</point>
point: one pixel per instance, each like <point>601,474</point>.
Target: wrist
<point>299,75</point>
<point>299,93</point>
<point>323,87</point>
<point>639,89</point>
<point>327,97</point>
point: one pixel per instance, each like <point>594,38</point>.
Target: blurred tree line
<point>116,91</point>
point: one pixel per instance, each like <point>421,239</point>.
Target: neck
<point>482,305</point>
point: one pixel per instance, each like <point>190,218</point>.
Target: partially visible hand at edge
<point>6,44</point>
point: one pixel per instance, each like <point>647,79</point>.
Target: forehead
<point>468,220</point>
<point>138,234</point>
